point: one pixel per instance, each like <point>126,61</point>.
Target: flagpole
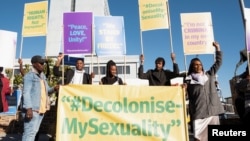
<point>62,42</point>
<point>140,30</point>
<point>99,69</point>
<point>216,76</point>
<point>242,7</point>
<point>92,50</point>
<point>46,43</point>
<point>170,31</point>
<point>91,67</point>
<point>21,47</point>
<point>124,69</point>
<point>185,60</point>
<point>141,42</point>
<point>247,50</point>
<point>13,69</point>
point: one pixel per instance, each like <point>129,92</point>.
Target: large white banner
<point>197,33</point>
<point>8,40</point>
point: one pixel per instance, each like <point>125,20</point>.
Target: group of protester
<point>204,103</point>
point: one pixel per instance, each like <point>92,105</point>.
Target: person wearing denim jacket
<point>35,101</point>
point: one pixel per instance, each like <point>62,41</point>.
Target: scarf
<point>198,78</point>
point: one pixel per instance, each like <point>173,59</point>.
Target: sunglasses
<point>41,63</point>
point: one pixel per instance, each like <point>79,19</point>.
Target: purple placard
<point>77,32</point>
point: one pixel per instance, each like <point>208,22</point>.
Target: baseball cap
<point>37,59</point>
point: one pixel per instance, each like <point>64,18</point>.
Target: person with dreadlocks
<point>111,77</point>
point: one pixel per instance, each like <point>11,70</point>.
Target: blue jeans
<point>32,126</point>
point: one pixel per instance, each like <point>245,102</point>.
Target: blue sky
<point>227,27</point>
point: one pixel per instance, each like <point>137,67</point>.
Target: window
<point>102,70</point>
<point>86,69</point>
<point>120,69</point>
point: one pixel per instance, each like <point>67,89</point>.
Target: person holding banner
<point>5,89</point>
<point>77,76</point>
<point>35,100</point>
<point>111,77</point>
<point>159,76</point>
<point>204,102</point>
